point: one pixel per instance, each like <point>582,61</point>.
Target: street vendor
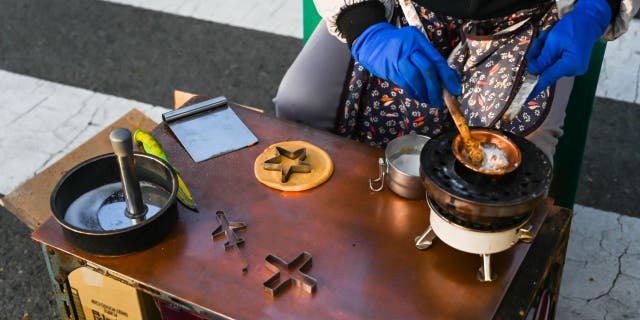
<point>370,76</point>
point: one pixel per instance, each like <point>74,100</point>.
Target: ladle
<point>472,146</point>
<point>122,144</point>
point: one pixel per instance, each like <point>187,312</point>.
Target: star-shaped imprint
<point>277,164</point>
<point>294,274</point>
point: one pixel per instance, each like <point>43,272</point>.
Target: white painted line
<point>283,17</point>
<point>620,75</point>
<point>42,121</point>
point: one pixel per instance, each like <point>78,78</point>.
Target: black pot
<point>103,170</point>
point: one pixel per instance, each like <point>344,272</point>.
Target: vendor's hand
<point>405,57</point>
<point>565,50</point>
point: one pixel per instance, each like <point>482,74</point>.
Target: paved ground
<point>24,285</point>
<point>72,67</point>
<point>601,277</point>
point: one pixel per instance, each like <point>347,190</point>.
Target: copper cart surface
<point>364,257</point>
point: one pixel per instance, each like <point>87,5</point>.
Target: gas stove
<point>478,213</point>
<point>476,239</point>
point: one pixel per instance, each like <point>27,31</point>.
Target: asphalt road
<point>25,289</point>
<point>144,55</point>
<point>610,176</point>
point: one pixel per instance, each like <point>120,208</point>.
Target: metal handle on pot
<point>122,144</point>
<point>525,235</point>
<point>380,179</point>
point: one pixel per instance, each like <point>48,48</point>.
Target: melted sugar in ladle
<point>477,144</point>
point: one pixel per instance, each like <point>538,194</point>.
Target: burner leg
<point>484,273</point>
<point>425,240</point>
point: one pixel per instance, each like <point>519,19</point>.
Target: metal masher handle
<point>122,144</point>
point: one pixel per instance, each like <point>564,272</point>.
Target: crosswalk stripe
<point>620,74</point>
<point>44,120</point>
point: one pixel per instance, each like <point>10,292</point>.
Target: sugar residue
<point>408,163</point>
<point>494,158</point>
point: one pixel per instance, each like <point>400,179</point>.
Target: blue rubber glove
<point>565,50</point>
<point>405,57</point>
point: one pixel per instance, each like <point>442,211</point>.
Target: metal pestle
<point>122,144</point>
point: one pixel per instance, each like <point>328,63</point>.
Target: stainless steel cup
<point>400,168</point>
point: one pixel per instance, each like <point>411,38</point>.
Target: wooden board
<point>181,97</point>
<point>30,201</point>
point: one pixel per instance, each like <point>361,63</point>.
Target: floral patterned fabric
<point>376,111</point>
<point>492,64</point>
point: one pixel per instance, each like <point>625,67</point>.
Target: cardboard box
<point>98,297</point>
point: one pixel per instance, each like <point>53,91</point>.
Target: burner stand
<point>488,275</point>
<point>463,238</point>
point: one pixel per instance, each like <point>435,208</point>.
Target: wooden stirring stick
<point>472,146</point>
<point>476,155</point>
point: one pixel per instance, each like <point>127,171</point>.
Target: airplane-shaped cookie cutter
<point>233,240</point>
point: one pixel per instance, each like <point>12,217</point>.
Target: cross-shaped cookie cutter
<point>296,269</point>
<point>275,163</point>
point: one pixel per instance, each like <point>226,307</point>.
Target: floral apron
<point>490,57</point>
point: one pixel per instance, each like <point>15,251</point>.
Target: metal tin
<point>400,168</point>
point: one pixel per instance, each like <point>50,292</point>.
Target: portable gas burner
<point>479,213</point>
